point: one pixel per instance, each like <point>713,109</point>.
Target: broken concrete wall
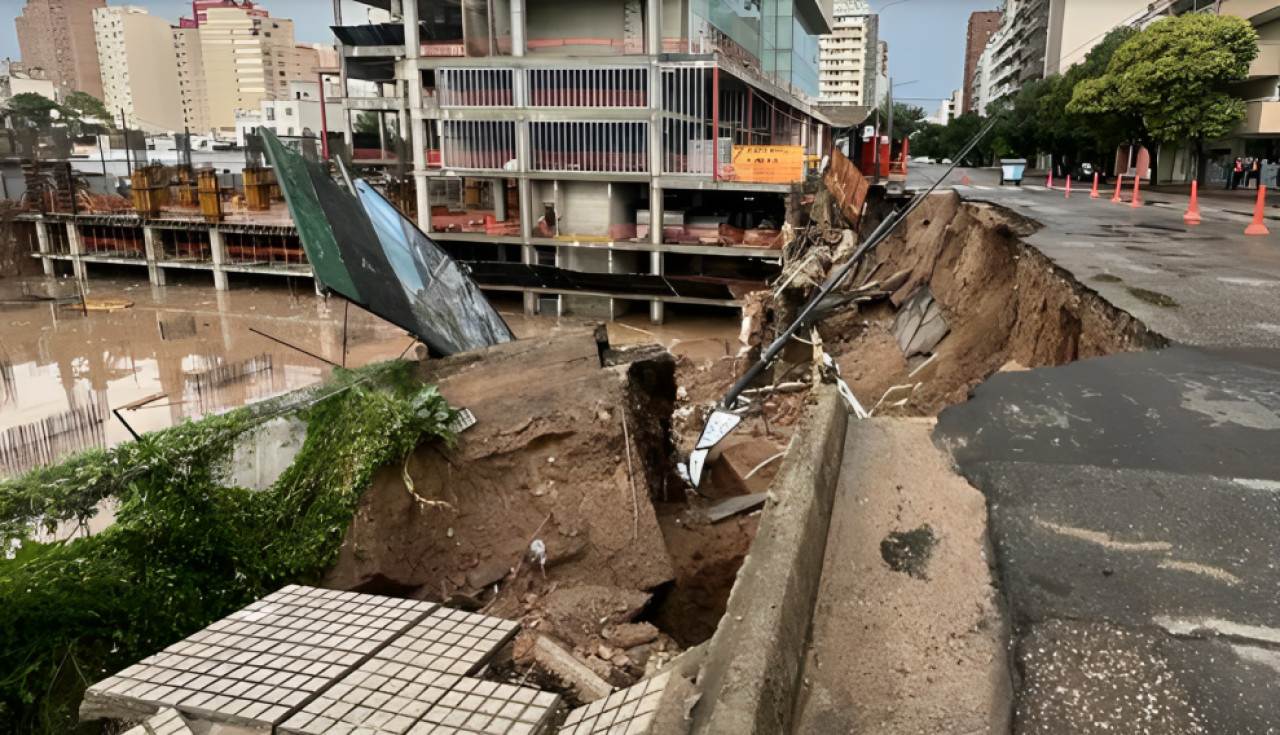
<point>750,678</point>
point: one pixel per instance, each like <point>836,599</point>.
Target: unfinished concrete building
<point>652,139</point>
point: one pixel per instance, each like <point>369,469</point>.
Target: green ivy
<point>185,549</point>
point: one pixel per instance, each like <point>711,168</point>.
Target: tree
<point>1171,76</point>
<point>85,114</point>
<point>31,112</point>
<point>907,119</point>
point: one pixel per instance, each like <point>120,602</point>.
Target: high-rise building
<point>637,147</point>
<point>982,26</point>
<point>189,55</point>
<point>247,59</point>
<point>57,36</point>
<point>1075,30</point>
<point>139,73</point>
<point>850,58</point>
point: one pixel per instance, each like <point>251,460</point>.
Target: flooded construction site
<point>824,564</point>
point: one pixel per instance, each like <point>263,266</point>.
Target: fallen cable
<point>715,430</point>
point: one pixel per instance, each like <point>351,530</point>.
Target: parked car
<point>1085,172</point>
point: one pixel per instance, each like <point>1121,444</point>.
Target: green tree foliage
<point>946,141</point>
<point>186,549</point>
<point>86,114</point>
<point>1171,76</point>
<point>907,120</point>
<point>31,111</point>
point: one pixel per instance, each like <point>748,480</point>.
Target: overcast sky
<point>926,43</point>
<point>926,37</point>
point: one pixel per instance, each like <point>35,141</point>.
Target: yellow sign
<point>767,164</point>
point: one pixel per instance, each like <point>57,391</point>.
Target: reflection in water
<point>181,352</point>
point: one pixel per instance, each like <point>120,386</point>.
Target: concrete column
<point>77,251</point>
<point>42,239</point>
<point>657,309</point>
<point>653,27</point>
<point>518,43</point>
<point>411,75</point>
<point>153,249</point>
<point>530,257</point>
<point>219,250</point>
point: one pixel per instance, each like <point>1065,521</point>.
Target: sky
<point>926,37</point>
<point>926,46</point>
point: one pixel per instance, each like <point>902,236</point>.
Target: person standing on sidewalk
<point>1237,171</point>
<point>1255,171</point>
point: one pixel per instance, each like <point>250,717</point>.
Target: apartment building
<point>57,36</point>
<point>138,69</point>
<point>247,59</point>
<point>297,115</point>
<point>850,56</point>
<point>643,151</point>
<point>982,26</point>
<point>188,53</point>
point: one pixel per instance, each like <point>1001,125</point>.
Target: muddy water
<point>183,351</point>
<point>180,351</point>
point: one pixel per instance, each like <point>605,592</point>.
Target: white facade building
<point>139,72</point>
<point>849,56</point>
<point>296,116</point>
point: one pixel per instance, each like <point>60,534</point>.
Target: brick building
<point>982,26</point>
<point>57,36</point>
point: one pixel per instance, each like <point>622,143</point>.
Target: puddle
<point>1154,298</point>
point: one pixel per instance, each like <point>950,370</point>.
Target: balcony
<point>1268,62</point>
<point>1262,118</point>
<point>1254,11</point>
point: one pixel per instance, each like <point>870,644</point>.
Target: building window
<point>271,113</point>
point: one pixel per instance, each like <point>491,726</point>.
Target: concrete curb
<point>750,679</point>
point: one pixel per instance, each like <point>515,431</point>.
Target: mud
<point>184,350</point>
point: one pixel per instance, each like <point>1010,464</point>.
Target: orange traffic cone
<point>1136,201</point>
<point>1050,184</point>
<point>1119,183</point>
<point>1192,217</point>
<point>1257,228</point>
<point>964,180</point>
<point>1095,194</point>
<point>1068,186</point>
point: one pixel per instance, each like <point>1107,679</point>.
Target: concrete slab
<point>309,661</point>
<point>898,653</point>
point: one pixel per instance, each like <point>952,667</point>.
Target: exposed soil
<point>1002,300</point>
<point>573,455</point>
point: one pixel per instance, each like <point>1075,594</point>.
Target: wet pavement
<point>1135,511</point>
<point>1134,500</point>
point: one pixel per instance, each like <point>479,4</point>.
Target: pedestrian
<point>1237,172</point>
<point>1255,172</point>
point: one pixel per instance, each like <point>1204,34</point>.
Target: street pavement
<point>1134,499</point>
<point>1225,284</point>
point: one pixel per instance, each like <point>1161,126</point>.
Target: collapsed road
<point>834,577</point>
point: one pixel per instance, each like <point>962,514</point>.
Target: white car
<point>923,159</point>
<point>946,162</point>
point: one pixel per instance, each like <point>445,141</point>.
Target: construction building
<point>57,36</point>
<point>139,76</point>
<point>653,139</point>
<point>850,56</point>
